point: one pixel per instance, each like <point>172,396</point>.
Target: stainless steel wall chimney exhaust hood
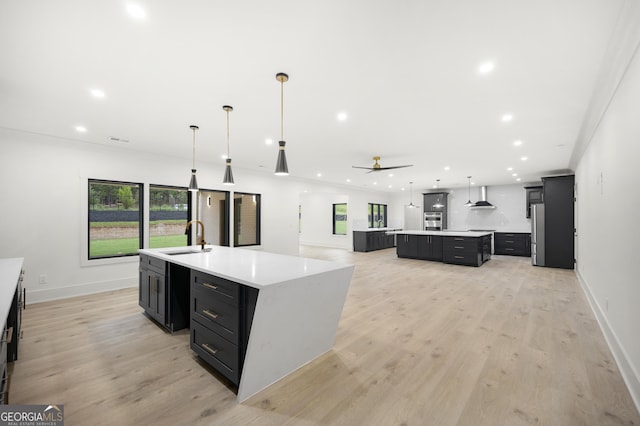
<point>483,203</point>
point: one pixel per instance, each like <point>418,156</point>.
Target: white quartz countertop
<point>444,233</point>
<point>376,229</point>
<point>250,267</point>
<point>9,274</point>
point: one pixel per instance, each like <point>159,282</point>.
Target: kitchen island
<point>457,247</point>
<point>370,239</point>
<point>255,317</point>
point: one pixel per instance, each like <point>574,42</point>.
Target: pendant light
<point>228,174</point>
<point>438,204</point>
<point>411,205</point>
<point>281,163</point>
<point>469,203</point>
<point>193,185</point>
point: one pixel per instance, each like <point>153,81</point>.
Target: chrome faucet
<point>198,222</point>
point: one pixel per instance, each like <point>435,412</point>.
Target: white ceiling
<point>404,71</point>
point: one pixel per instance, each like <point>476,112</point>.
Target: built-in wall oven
<point>433,221</point>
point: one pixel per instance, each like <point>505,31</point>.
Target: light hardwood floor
<point>419,343</point>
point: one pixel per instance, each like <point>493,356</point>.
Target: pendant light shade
<point>193,184</point>
<point>438,204</point>
<point>469,203</point>
<point>228,174</point>
<point>411,205</point>
<point>281,163</point>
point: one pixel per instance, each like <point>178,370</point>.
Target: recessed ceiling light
<point>390,174</point>
<point>342,116</point>
<point>224,156</point>
<point>319,174</point>
<point>473,183</point>
<point>375,183</point>
<point>402,189</point>
<point>136,11</point>
<point>348,180</point>
<point>268,141</point>
<point>514,174</point>
<point>518,180</point>
<point>524,158</point>
<point>97,93</point>
<point>509,169</point>
<point>81,129</point>
<point>486,68</point>
<point>447,168</point>
<point>507,117</point>
<point>517,143</point>
<point>390,186</point>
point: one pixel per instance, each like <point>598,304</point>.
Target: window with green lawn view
<point>377,215</point>
<point>340,219</point>
<point>168,216</point>
<point>115,218</point>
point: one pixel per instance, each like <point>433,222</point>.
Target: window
<point>115,218</point>
<point>168,216</point>
<point>377,215</point>
<point>246,219</point>
<point>340,219</point>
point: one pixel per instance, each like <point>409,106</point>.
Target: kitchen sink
<point>190,251</point>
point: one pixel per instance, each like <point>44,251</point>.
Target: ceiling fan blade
<point>392,167</point>
<point>367,168</point>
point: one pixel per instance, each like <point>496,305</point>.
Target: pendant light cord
<point>282,110</point>
<point>194,148</point>
<point>228,150</point>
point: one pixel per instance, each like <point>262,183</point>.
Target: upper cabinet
<point>535,195</point>
<point>435,201</point>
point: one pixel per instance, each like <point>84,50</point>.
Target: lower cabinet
<point>424,247</point>
<point>221,316</point>
<point>364,241</point>
<point>10,338</point>
<point>4,372</point>
<point>472,251</point>
<point>513,243</point>
<point>164,292</point>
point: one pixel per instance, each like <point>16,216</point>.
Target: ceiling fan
<point>378,168</point>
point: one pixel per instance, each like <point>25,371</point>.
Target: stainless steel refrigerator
<point>537,234</point>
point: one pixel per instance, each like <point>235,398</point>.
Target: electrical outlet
<point>42,279</point>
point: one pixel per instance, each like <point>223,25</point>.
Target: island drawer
<point>460,245</point>
<point>152,263</point>
<point>474,259</point>
<point>210,311</point>
<point>216,286</point>
<point>215,350</point>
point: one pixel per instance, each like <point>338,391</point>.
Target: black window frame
<point>141,207</point>
<point>258,219</point>
<point>333,218</point>
<point>372,222</point>
<point>169,187</point>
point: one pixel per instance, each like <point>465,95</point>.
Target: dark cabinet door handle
<point>210,314</point>
<point>209,349</point>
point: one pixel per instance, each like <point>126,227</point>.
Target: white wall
<point>509,214</point>
<point>44,211</point>
<point>316,203</point>
<point>608,208</point>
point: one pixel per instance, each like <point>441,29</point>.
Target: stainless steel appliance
<point>537,234</point>
<point>433,221</point>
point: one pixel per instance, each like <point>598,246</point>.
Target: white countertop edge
<point>256,269</point>
<point>443,233</point>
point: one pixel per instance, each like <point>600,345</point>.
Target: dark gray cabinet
<point>424,247</point>
<point>471,251</point>
<point>535,195</point>
<point>559,221</point>
<point>436,202</point>
<point>10,338</point>
<point>364,241</point>
<point>221,316</point>
<point>513,243</point>
<point>164,292</point>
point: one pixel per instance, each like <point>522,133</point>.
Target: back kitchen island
<point>458,247</point>
<point>254,316</point>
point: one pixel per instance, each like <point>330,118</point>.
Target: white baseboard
<point>45,295</point>
<point>341,245</point>
<point>629,375</point>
